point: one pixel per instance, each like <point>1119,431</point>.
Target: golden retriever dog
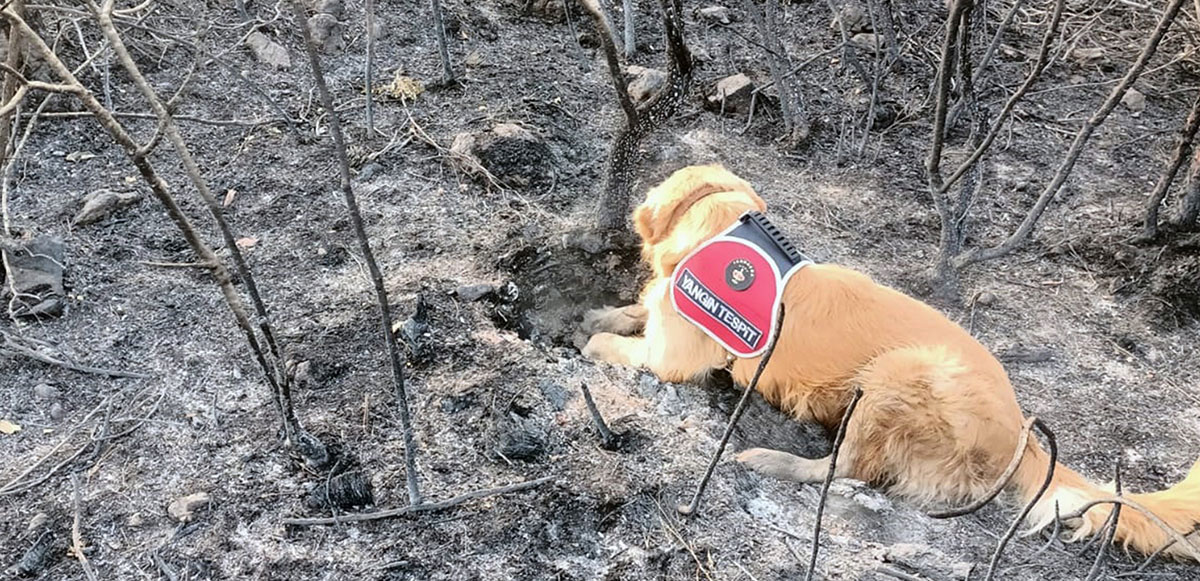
<point>938,421</point>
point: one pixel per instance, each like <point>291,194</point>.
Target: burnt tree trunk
<point>639,120</point>
<point>1189,206</point>
<point>1183,147</point>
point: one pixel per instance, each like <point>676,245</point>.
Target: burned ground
<point>1099,334</point>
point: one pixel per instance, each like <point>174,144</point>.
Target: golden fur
<point>938,420</point>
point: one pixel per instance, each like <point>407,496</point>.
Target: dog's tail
<point>1177,507</point>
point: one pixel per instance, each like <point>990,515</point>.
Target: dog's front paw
<point>771,463</point>
<point>600,347</point>
<point>626,321</point>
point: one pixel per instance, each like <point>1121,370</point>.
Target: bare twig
<point>849,53</point>
<point>77,546</point>
<point>1149,558</point>
<point>158,186</point>
<point>188,118</point>
<point>423,507</point>
<point>439,28</point>
<point>10,162</point>
<point>16,345</point>
<point>1192,549</point>
<point>1038,66</point>
<point>394,356</point>
<point>1001,482</point>
<point>833,457</point>
<point>1053,538</point>
<point>982,68</point>
<point>690,508</point>
<point>949,237</point>
<point>1183,147</point>
<point>613,60</point>
<point>272,368</point>
<point>1016,524</point>
<point>1110,527</point>
<point>11,486</point>
<point>583,62</point>
<point>607,438</point>
<point>627,8</point>
<point>369,66</point>
<point>13,62</point>
<point>764,20</point>
<point>1081,139</point>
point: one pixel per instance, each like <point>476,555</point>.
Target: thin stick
<point>424,507</point>
<point>764,20</point>
<point>339,145</point>
<point>276,378</point>
<point>1189,205</point>
<point>13,62</point>
<point>1167,545</point>
<point>1039,65</point>
<point>1001,482</point>
<point>607,439</point>
<point>76,536</point>
<point>1054,534</point>
<point>14,344</point>
<point>583,62</point>
<point>613,60</point>
<point>690,508</point>
<point>1110,528</point>
<point>833,456</point>
<point>369,66</point>
<point>1012,530</point>
<point>1191,548</point>
<point>1183,147</point>
<point>630,29</point>
<point>1081,139</point>
<point>439,27</point>
<point>10,162</point>
<point>849,54</point>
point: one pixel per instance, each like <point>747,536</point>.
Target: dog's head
<point>693,205</point>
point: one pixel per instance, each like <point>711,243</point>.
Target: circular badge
<point>739,275</point>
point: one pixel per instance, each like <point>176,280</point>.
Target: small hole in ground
<point>556,283</point>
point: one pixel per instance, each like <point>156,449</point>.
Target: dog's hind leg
<point>626,321</point>
<point>928,426</point>
<point>785,466</point>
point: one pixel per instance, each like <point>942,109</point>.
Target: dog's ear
<point>758,201</point>
<point>643,223</point>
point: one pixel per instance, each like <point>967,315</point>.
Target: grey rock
<point>716,14</point>
<point>184,508</point>
<point>36,271</point>
<point>731,94</point>
<point>102,203</point>
<point>45,391</point>
<point>1134,100</point>
<point>326,32</point>
<point>474,292</point>
<point>867,41</point>
<point>644,82</point>
<point>268,51</point>
<point>854,16</point>
<point>335,8</point>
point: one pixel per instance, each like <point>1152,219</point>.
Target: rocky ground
<point>179,473</point>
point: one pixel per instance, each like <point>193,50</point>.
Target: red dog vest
<point>732,285</point>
